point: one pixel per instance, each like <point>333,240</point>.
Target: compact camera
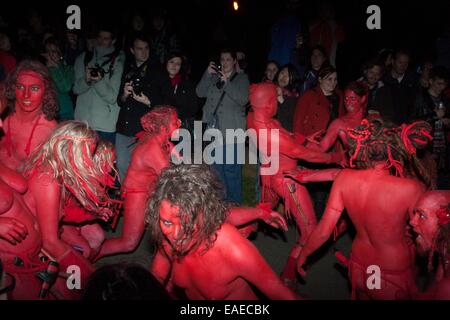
<point>137,86</point>
<point>97,71</point>
<point>217,67</point>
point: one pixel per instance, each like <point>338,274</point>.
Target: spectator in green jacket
<point>62,75</point>
<point>97,82</point>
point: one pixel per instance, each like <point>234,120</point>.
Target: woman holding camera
<point>178,90</point>
<point>226,93</point>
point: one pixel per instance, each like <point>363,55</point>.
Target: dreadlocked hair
<point>198,193</point>
<point>153,121</point>
<point>67,157</point>
<point>372,142</point>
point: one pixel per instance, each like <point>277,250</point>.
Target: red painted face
<point>30,88</point>
<point>170,224</point>
<point>263,98</point>
<point>352,101</point>
<point>425,223</point>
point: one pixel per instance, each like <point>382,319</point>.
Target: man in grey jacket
<point>97,83</point>
<point>226,93</point>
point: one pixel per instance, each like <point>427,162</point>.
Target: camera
<point>137,86</point>
<point>97,71</point>
<point>217,67</point>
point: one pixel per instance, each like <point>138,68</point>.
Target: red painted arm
<point>306,176</point>
<point>47,197</point>
<point>161,267</point>
<point>289,148</point>
<point>324,228</point>
<point>239,216</point>
<point>133,219</point>
<point>14,179</point>
<point>331,136</point>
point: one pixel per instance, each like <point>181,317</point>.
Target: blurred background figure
<point>124,282</point>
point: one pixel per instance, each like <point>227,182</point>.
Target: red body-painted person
<point>378,194</point>
<point>355,97</point>
<point>20,239</point>
<point>431,223</point>
<point>197,251</point>
<point>151,155</point>
<point>61,168</point>
<point>80,227</point>
<point>263,99</point>
<point>33,112</point>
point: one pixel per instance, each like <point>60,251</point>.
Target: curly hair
<point>197,191</point>
<point>373,142</point>
<point>67,156</point>
<point>153,121</point>
<point>49,102</point>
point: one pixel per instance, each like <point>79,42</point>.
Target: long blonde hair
<point>104,158</point>
<point>67,156</point>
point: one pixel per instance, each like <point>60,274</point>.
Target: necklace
<point>8,138</point>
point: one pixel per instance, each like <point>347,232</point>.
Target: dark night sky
<point>415,25</point>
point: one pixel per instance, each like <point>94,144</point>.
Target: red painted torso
<point>379,213</point>
<point>31,245</point>
<point>18,135</point>
<point>194,274</point>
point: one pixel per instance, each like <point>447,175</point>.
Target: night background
<point>204,26</point>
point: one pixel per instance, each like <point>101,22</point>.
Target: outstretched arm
<point>324,229</point>
<point>133,218</point>
<point>329,139</point>
<point>306,175</point>
<point>240,216</point>
<point>293,150</point>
